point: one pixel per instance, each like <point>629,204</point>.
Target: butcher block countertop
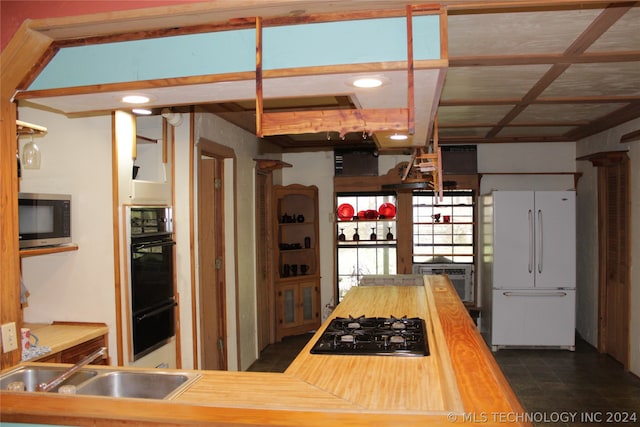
<point>60,336</point>
<point>458,383</point>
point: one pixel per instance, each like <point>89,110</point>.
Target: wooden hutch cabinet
<point>296,254</point>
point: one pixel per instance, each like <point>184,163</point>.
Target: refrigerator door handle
<point>540,243</point>
<point>531,249</point>
<point>534,294</point>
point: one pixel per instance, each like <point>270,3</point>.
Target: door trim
<point>209,148</point>
<point>265,294</point>
<point>603,161</point>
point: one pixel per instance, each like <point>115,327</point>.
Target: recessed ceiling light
<point>398,137</point>
<point>141,111</point>
<point>135,99</point>
<point>367,82</point>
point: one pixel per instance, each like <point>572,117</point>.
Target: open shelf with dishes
<point>366,232</point>
<point>297,275</point>
<point>366,237</point>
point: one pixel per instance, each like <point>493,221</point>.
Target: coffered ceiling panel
<point>488,114</point>
<point>607,79</point>
<point>623,35</point>
<point>467,132</point>
<point>565,113</point>
<point>516,33</point>
<point>528,131</point>
<point>491,82</point>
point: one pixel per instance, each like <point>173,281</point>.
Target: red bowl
<point>387,210</point>
<point>371,214</point>
<point>345,212</point>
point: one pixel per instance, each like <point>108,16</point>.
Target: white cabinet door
<point>533,318</point>
<point>555,239</point>
<point>513,221</point>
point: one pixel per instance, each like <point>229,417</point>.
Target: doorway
<point>211,254</point>
<point>614,219</point>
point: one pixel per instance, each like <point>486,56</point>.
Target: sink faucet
<point>72,370</point>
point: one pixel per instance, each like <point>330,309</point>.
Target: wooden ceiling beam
<point>548,58</point>
<point>598,27</point>
<point>615,118</point>
<point>342,121</point>
<point>630,137</point>
<point>367,121</point>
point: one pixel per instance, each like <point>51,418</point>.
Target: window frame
<point>462,252</point>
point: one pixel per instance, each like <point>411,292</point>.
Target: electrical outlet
<point>9,337</point>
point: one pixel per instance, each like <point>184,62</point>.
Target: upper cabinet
<point>145,148</point>
<point>151,161</point>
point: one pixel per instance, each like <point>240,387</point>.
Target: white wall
<point>183,240</point>
<point>242,221</point>
<point>317,169</point>
<point>588,239</point>
<point>496,161</point>
<point>78,285</point>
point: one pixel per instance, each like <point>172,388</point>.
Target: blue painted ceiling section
<point>293,46</point>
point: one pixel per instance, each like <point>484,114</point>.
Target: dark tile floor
<point>556,387</point>
<point>277,357</point>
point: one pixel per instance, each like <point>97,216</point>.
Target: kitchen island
<point>458,382</point>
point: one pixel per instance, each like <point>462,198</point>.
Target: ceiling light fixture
<point>369,82</point>
<point>135,99</point>
<point>398,137</point>
<point>173,118</point>
<point>141,111</point>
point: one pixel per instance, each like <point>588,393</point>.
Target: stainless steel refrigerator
<point>528,268</point>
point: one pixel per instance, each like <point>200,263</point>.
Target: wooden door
<point>211,262</point>
<point>614,247</point>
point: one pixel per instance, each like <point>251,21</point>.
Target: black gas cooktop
<point>379,336</point>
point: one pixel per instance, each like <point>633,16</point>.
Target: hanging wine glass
<point>31,155</point>
<point>356,236</point>
<point>373,235</point>
<point>389,234</point>
<point>341,236</point>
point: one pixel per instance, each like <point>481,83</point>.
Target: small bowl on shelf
<point>345,212</point>
<point>387,210</point>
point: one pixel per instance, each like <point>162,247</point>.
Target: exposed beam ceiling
<point>518,71</point>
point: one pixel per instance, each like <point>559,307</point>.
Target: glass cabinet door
<point>288,315</point>
<point>308,295</point>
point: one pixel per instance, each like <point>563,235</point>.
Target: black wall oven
<point>153,302</point>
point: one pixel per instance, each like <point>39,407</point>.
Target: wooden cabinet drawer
<point>80,351</point>
<point>53,358</point>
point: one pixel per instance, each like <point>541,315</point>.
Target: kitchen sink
<point>145,385</point>
<point>32,376</point>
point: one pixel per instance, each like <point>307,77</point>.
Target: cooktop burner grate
<point>378,336</point>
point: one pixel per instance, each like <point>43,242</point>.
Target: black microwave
<point>44,219</point>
